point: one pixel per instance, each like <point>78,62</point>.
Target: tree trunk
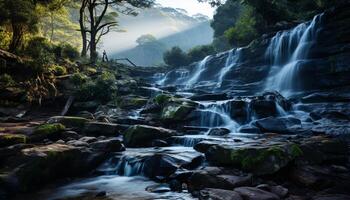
<point>93,48</point>
<point>83,29</point>
<point>16,39</point>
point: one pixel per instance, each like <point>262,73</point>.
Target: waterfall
<point>287,51</point>
<point>231,61</point>
<point>217,115</point>
<point>200,67</point>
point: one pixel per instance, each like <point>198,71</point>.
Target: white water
<point>287,50</point>
<point>200,67</point>
<point>232,60</point>
<point>217,114</point>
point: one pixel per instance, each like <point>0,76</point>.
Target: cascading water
<point>200,67</point>
<point>287,51</point>
<point>217,114</point>
<point>231,61</point>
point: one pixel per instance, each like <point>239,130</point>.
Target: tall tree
<point>98,18</point>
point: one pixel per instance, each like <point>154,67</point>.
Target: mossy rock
<point>142,135</point>
<point>162,99</point>
<point>176,112</point>
<point>12,139</point>
<point>130,102</point>
<point>69,122</point>
<point>46,131</point>
<point>258,160</point>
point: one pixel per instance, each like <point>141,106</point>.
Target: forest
<point>251,103</point>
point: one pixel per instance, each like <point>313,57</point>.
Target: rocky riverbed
<point>213,130</point>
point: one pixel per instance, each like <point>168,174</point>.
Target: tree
<point>97,19</point>
<point>175,57</point>
<point>199,52</point>
<point>144,39</point>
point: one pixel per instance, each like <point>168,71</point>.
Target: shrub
<point>42,54</point>
<point>65,50</point>
<point>6,80</point>
<point>58,70</point>
<point>176,57</point>
<point>78,79</point>
<point>200,52</point>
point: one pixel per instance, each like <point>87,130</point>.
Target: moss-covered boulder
<point>34,167</point>
<point>12,139</point>
<point>259,160</point>
<point>69,122</point>
<point>47,131</point>
<point>131,102</point>
<point>142,135</point>
<point>176,112</point>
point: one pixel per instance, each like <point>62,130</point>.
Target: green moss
<point>12,139</point>
<point>162,99</point>
<point>295,151</point>
<point>70,122</point>
<point>48,129</point>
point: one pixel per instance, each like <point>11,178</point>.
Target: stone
<point>33,167</point>
<point>282,125</point>
<point>251,193</point>
<point>159,143</point>
<point>47,131</point>
<point>257,159</point>
<point>86,115</point>
<point>88,139</point>
<point>219,131</point>
<point>332,197</point>
<point>160,188</point>
<point>218,194</point>
<point>100,128</point>
<point>69,122</point>
<point>12,139</point>
<point>108,145</point>
<point>202,179</point>
<point>280,191</point>
<point>142,135</point>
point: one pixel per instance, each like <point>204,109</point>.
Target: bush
<point>244,31</point>
<point>79,79</point>
<point>41,52</point>
<point>6,80</point>
<point>65,50</point>
<point>200,52</point>
<point>102,89</point>
<point>176,57</point>
<point>58,70</point>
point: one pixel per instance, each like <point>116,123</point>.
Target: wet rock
<point>218,194</point>
<point>159,143</point>
<point>69,135</point>
<point>88,139</point>
<point>100,128</point>
<point>249,129</point>
<point>11,139</point>
<point>88,105</point>
<point>176,112</point>
<point>332,197</point>
<point>86,115</point>
<point>36,166</point>
<point>219,131</point>
<point>69,122</point>
<point>108,145</point>
<point>132,102</point>
<point>142,135</point>
<point>151,108</point>
<point>203,146</point>
<point>263,108</point>
<point>257,159</point>
<point>77,143</point>
<point>200,180</point>
<point>283,125</point>
<point>47,131</point>
<point>209,97</point>
<point>280,191</point>
<point>161,188</point>
<point>250,193</point>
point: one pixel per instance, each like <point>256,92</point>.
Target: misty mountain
<point>171,27</point>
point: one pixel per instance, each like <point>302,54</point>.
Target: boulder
<point>132,102</point>
<point>33,167</point>
<point>218,194</point>
<point>259,160</point>
<point>11,139</point>
<point>219,132</point>
<point>69,122</point>
<point>251,193</point>
<point>176,112</point>
<point>282,125</point>
<point>100,128</point>
<point>280,191</point>
<point>109,145</point>
<point>143,136</point>
<point>202,179</point>
<point>47,131</point>
<point>331,197</point>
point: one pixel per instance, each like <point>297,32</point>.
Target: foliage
<point>78,79</point>
<point>244,31</point>
<point>175,57</point>
<point>6,80</point>
<point>101,89</point>
<point>65,50</point>
<point>200,52</point>
<point>144,39</point>
<point>58,70</point>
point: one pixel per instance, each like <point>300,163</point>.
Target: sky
<point>191,6</point>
